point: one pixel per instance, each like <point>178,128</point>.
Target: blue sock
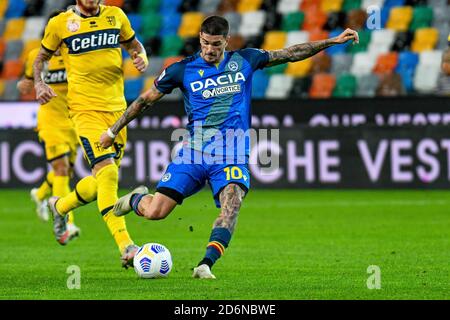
<point>218,241</point>
<point>134,202</point>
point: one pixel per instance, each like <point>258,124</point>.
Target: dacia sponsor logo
<point>90,41</point>
<point>224,84</point>
<point>56,76</point>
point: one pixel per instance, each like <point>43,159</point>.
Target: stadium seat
<point>279,68</point>
<point>2,48</point>
<point>321,63</point>
<point>363,63</point>
<point>188,6</point>
<point>331,5</point>
<point>155,66</point>
<point>431,58</point>
<point>136,22</point>
<point>190,24</point>
<point>367,85</point>
<point>254,41</point>
<point>381,41</point>
<point>148,83</point>
<point>341,63</point>
<point>335,20</point>
<point>394,3</point>
<point>317,35</point>
<point>322,86</point>
<point>29,96</point>
<point>14,50</point>
<point>236,42</point>
<point>400,18</point>
<point>272,21</point>
<point>259,84</point>
<point>133,88</point>
<point>390,86</point>
<point>386,63</point>
<point>191,46</point>
<point>299,68</point>
<point>10,92</point>
<point>34,28</point>
<point>3,7</point>
<point>296,37</point>
<point>293,21</point>
<point>151,24</point>
<point>345,86</point>
<point>169,6</point>
<point>171,46</point>
<point>356,19</point>
<point>116,3</point>
<point>300,87</point>
<point>407,62</point>
<point>368,3</point>
<point>425,39</point>
<point>248,5</point>
<point>364,41</point>
<point>234,20</point>
<point>12,69</point>
<point>314,20</point>
<point>16,9</point>
<point>2,87</point>
<point>209,6</point>
<point>252,23</point>
<point>402,41</point>
<point>426,78</point>
<point>337,49</point>
<point>14,29</point>
<point>279,86</point>
<point>288,6</point>
<point>170,24</point>
<point>274,40</point>
<point>350,5</point>
<point>129,70</point>
<point>310,5</point>
<point>422,17</point>
<point>148,6</point>
<point>152,46</point>
<point>2,26</point>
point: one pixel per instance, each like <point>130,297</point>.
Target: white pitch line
<point>327,203</point>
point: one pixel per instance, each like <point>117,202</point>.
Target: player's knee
<point>61,167</point>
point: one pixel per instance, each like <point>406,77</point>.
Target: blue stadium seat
<point>170,23</point>
<point>136,21</point>
<point>394,3</point>
<point>133,88</point>
<point>169,6</point>
<point>342,48</point>
<point>15,9</point>
<point>259,84</point>
<point>407,62</point>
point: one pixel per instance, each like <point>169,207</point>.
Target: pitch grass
<point>287,245</point>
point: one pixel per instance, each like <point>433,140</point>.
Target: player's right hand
<point>106,141</point>
<point>44,93</point>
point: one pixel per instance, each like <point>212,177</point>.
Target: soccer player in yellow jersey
<point>56,132</point>
<point>89,36</point>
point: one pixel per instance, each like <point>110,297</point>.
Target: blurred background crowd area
<point>400,49</point>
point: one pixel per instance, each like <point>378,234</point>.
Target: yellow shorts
<point>89,126</point>
<point>59,143</point>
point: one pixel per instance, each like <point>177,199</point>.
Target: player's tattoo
<point>298,52</point>
<point>230,200</point>
<point>38,66</point>
<point>134,45</point>
<point>137,107</point>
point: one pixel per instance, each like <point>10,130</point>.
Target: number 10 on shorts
<point>234,173</point>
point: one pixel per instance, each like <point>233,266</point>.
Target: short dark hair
<point>215,26</point>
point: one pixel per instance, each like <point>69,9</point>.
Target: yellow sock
<point>71,218</point>
<point>85,191</point>
<point>107,184</point>
<point>45,189</point>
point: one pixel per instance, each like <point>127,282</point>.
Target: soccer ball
<point>153,260</point>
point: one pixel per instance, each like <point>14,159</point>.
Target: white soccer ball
<point>153,260</point>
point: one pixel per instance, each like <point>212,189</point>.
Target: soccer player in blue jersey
<point>216,85</point>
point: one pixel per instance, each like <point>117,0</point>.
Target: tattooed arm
<point>137,52</point>
<point>144,101</point>
<point>305,50</point>
<point>43,92</point>
<point>230,200</point>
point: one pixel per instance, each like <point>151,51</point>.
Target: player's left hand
<point>347,35</point>
<point>106,141</point>
<point>139,62</point>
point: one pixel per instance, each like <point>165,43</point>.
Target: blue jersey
<point>216,97</point>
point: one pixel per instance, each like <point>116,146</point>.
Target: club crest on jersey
<point>111,20</point>
<point>233,66</point>
<point>73,25</point>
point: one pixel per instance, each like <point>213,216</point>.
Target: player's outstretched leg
<point>230,200</point>
<point>123,205</point>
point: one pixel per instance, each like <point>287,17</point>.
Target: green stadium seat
<point>351,5</point>
<point>171,46</point>
<point>345,86</point>
<point>364,40</point>
<point>146,6</point>
<point>276,69</point>
<point>293,21</point>
<point>422,17</point>
<point>151,23</point>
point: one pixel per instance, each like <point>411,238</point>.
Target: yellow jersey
<point>55,112</point>
<point>90,47</point>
